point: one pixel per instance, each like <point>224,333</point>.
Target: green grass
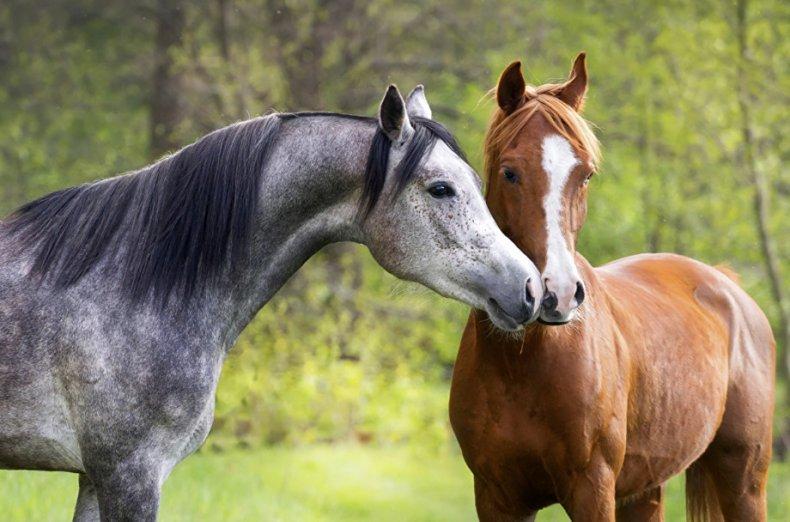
<point>317,483</point>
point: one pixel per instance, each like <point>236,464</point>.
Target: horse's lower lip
<point>547,323</point>
<point>501,312</point>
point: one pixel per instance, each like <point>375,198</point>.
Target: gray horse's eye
<point>441,190</point>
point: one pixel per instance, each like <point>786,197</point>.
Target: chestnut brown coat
<point>667,366</point>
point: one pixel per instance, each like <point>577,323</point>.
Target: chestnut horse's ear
<point>574,90</point>
<point>393,119</point>
<point>510,88</point>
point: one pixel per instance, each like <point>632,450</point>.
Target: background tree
<point>689,99</point>
<point>166,105</point>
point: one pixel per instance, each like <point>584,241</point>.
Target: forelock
<point>426,134</point>
<point>504,128</point>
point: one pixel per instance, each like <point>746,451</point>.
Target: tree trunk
<point>761,211</point>
<point>166,110</point>
<point>221,29</point>
<point>299,55</point>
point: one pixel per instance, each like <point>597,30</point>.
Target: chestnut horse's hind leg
<point>738,471</point>
<point>735,465</point>
<point>648,507</point>
<point>87,509</point>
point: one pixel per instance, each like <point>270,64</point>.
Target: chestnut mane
<point>504,128</point>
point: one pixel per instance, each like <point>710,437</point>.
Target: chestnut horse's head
<point>539,157</point>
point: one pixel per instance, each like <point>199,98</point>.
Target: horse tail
<point>702,505</point>
<point>727,270</point>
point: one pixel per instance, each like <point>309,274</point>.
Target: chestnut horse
<point>668,366</point>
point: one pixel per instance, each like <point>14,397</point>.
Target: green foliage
<point>339,355</point>
<point>317,366</point>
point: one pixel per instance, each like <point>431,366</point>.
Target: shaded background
<point>689,100</point>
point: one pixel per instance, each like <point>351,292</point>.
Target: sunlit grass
<point>316,483</point>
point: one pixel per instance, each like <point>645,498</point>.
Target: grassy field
<point>320,483</point>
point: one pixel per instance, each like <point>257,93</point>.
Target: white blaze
<point>560,271</point>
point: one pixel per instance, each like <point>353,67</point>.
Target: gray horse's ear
<point>393,117</point>
<point>417,104</point>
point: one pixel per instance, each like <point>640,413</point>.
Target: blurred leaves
<point>338,354</point>
<point>309,370</point>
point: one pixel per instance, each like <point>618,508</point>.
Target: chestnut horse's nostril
<point>549,303</point>
<point>579,295</point>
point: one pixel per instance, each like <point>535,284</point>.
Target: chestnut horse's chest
<point>527,413</point>
<point>521,423</point>
<point>503,446</point>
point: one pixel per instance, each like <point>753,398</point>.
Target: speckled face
<point>439,232</point>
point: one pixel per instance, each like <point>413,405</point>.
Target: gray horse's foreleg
<point>87,509</point>
<point>128,491</point>
<point>130,497</point>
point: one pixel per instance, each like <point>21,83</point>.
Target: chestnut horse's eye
<point>510,176</point>
<point>587,179</point>
<point>441,190</point>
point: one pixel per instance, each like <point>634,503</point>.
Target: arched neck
<point>309,198</point>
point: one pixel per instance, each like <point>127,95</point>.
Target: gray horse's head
<point>435,228</point>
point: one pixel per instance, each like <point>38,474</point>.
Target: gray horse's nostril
<point>549,302</point>
<point>528,294</point>
<point>579,295</point>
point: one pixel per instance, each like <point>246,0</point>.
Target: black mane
<point>174,225</point>
<point>175,222</point>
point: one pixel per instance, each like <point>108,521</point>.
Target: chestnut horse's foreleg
<point>591,494</point>
<point>489,510</point>
<point>647,507</point>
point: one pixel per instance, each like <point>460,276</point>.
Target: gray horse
<point>120,299</point>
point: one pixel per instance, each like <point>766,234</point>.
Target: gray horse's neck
<point>309,198</point>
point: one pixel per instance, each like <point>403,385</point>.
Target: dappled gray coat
<point>120,299</point>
